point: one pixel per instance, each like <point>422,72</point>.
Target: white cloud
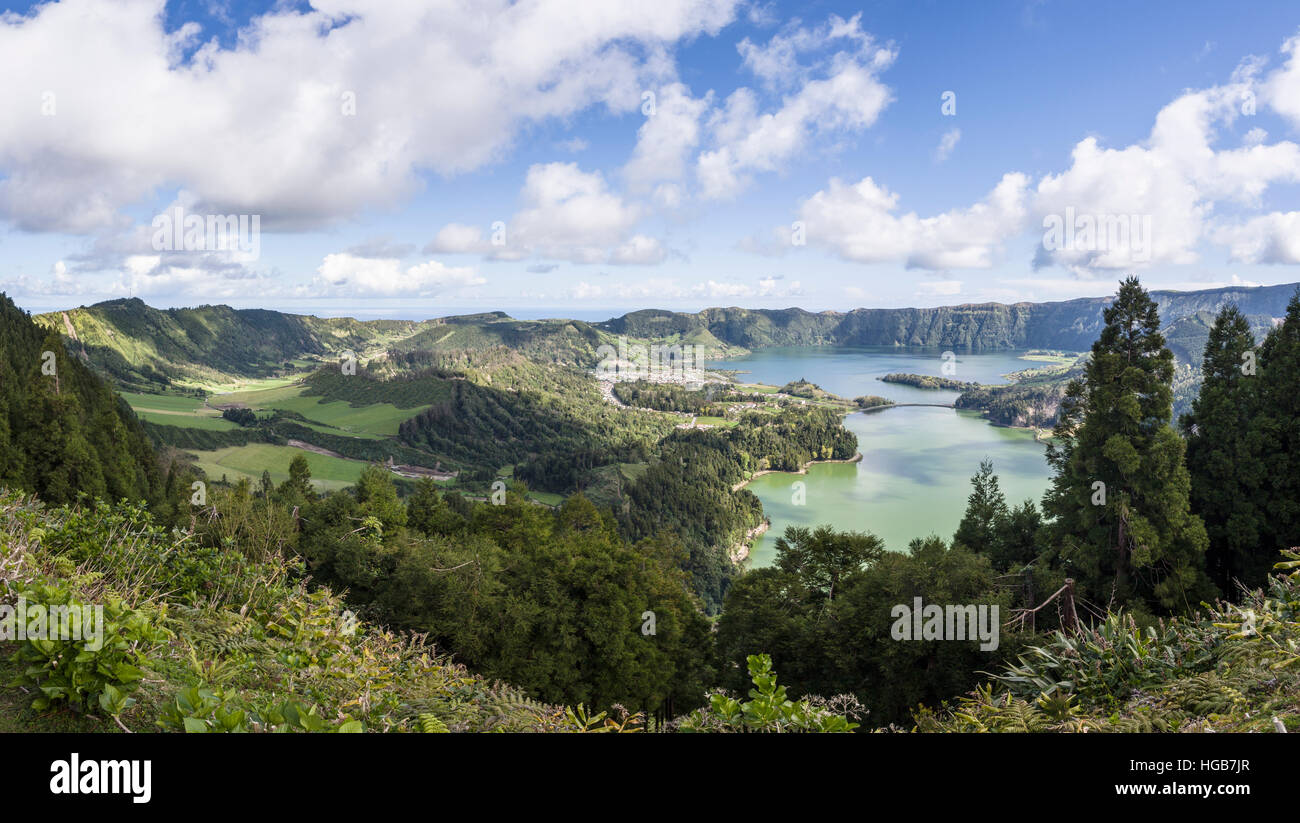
<point>458,238</point>
<point>443,86</point>
<point>566,214</point>
<point>1176,177</point>
<point>860,222</point>
<point>638,250</point>
<point>1167,192</point>
<point>1281,90</point>
<point>847,97</point>
<point>345,275</point>
<point>667,137</point>
<point>1269,238</point>
<point>569,214</point>
<point>946,144</point>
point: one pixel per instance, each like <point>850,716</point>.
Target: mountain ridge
<point>139,346</point>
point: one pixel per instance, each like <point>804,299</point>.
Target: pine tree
<point>986,509</point>
<point>1277,427</point>
<point>297,489</point>
<point>1224,456</point>
<point>1119,498</point>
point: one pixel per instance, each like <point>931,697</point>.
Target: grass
<point>172,403</point>
<point>177,410</point>
<point>187,421</point>
<point>632,471</point>
<point>244,385</point>
<point>258,397</point>
<point>323,429</point>
<point>374,421</point>
<point>549,498</point>
<point>236,462</point>
<point>714,421</point>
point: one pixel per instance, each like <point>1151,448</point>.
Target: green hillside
<point>209,346</point>
<point>63,432</point>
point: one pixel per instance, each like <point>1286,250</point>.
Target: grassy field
<point>248,384</point>
<point>188,421</point>
<point>323,429</point>
<point>177,410</point>
<point>373,421</point>
<point>172,403</point>
<point>549,498</point>
<point>235,462</point>
<point>714,421</point>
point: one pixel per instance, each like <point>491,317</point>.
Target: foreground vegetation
<point>258,604</point>
<point>218,639</point>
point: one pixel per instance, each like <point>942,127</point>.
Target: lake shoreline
<point>740,552</point>
<point>856,458</point>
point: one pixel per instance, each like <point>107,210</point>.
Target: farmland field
<point>177,410</point>
<point>235,462</point>
<point>373,421</point>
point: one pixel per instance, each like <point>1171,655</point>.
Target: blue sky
<point>426,158</point>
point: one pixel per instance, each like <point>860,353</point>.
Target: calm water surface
<point>917,462</point>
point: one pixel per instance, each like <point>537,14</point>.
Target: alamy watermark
<point>175,230</point>
<point>657,363</point>
<point>951,622</point>
<point>1104,233</point>
<point>37,621</point>
<point>129,777</point>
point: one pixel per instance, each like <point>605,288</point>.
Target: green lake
<point>917,461</point>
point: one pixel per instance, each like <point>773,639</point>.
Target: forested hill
<point>144,348</point>
<point>63,431</point>
<point>1070,325</point>
<point>137,345</point>
<point>148,349</point>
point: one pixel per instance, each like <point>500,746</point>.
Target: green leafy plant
<point>86,672</point>
<point>767,710</point>
<point>200,710</point>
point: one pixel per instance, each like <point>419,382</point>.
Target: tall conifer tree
<point>1223,455</point>
<point>1122,521</point>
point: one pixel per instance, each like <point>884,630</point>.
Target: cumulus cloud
<point>351,121</point>
<point>566,214</point>
<point>1176,177</point>
<point>1153,202</point>
<point>860,222</point>
<point>840,93</point>
<point>345,275</point>
<point>667,137</point>
<point>1269,238</point>
<point>1281,90</point>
